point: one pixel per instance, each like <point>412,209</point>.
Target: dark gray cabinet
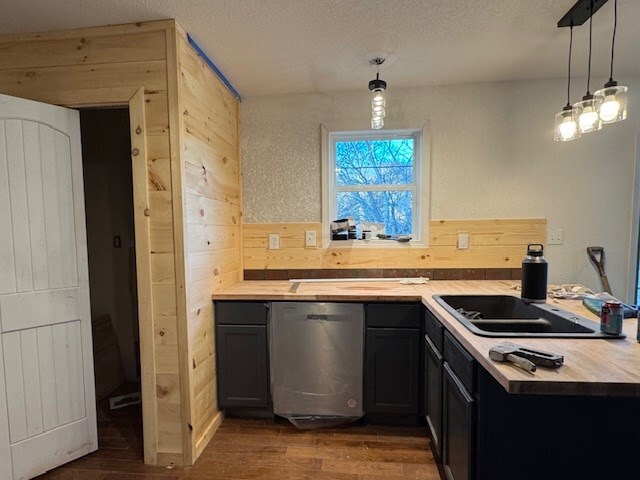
<point>458,427</point>
<point>434,361</point>
<point>242,366</point>
<point>458,410</point>
<point>392,362</point>
<point>432,381</point>
<point>242,354</point>
<point>393,358</point>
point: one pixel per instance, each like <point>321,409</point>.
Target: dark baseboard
<point>431,273</point>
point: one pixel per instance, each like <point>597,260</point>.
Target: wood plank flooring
<point>262,449</point>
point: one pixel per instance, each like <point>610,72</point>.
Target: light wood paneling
<point>497,243</point>
<point>82,85</point>
<point>108,66</point>
<point>140,173</point>
<point>211,186</point>
<point>85,50</point>
<point>181,258</point>
<point>184,128</point>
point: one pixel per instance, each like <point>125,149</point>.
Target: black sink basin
<point>508,316</point>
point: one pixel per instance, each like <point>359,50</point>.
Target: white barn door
<point>47,394</point>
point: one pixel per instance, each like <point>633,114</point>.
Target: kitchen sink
<point>509,316</point>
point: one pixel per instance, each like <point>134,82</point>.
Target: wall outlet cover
<point>463,241</point>
<point>310,239</point>
<point>274,241</point>
<point>556,237</point>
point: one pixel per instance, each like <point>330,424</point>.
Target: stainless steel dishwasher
<point>316,355</point>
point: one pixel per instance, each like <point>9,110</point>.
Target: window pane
<point>393,208</point>
<point>375,162</point>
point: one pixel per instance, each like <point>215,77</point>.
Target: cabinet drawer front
<point>461,361</point>
<point>393,315</point>
<point>434,329</point>
<point>241,313</point>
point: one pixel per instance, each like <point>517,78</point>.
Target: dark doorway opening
<point>106,154</point>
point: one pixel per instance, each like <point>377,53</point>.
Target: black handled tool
<point>526,358</point>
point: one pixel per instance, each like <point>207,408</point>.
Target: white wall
<point>493,156</point>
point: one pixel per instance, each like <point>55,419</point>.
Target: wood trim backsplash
<point>493,244</point>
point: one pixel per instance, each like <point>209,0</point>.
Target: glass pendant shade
<point>566,125</point>
<point>611,103</point>
<point>378,99</point>
<point>378,102</point>
<point>377,123</point>
<point>588,118</point>
<point>377,109</point>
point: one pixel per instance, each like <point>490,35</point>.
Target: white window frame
<point>420,187</point>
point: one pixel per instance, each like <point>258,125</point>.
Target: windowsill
<point>374,244</point>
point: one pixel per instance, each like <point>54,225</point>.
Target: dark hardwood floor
<point>261,449</point>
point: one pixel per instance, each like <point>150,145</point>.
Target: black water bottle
<point>534,274</point>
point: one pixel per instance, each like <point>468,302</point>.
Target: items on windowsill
<point>373,227</point>
<point>343,229</point>
<point>397,238</point>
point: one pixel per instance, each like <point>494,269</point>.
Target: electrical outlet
<point>555,237</point>
<point>310,238</point>
<point>463,241</point>
<point>274,241</point>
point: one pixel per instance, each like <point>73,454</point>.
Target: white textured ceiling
<point>296,46</point>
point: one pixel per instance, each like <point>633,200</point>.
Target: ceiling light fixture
<point>612,99</point>
<point>588,118</point>
<point>566,124</point>
<point>607,105</point>
<point>378,102</point>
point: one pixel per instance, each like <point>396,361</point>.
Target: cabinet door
<point>458,427</point>
<point>392,370</point>
<point>242,366</point>
<point>433,395</point>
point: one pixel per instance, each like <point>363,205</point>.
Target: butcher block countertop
<point>591,366</point>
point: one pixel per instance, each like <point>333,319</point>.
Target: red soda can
<point>611,317</point>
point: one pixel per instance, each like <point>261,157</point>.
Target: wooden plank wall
<point>107,66</point>
<point>493,244</point>
<point>209,150</point>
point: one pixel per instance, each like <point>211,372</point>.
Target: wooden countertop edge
<point>531,385</point>
<point>502,373</point>
<point>319,298</point>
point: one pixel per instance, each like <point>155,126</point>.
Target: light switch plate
<point>274,241</point>
<point>310,238</point>
<point>463,241</point>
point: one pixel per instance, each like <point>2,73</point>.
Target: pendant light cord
<point>613,41</point>
<point>590,35</point>
<point>569,67</point>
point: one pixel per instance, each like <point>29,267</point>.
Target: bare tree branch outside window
<point>374,182</point>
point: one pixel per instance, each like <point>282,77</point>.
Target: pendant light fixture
<point>566,122</point>
<point>612,99</point>
<point>378,102</point>
<point>588,117</point>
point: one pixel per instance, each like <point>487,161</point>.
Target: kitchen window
<point>377,178</point>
